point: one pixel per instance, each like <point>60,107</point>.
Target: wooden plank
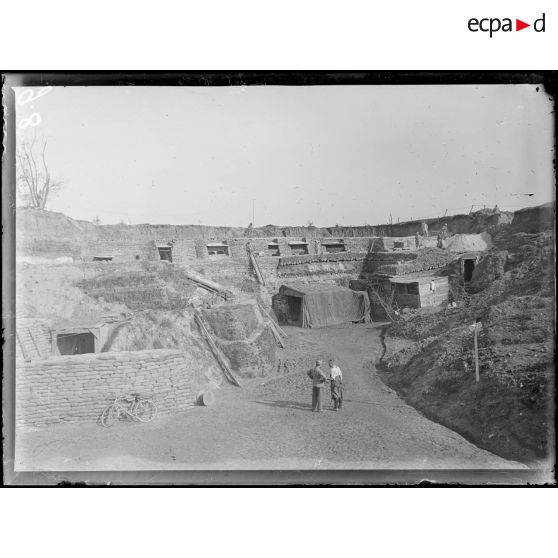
<point>34,342</point>
<point>270,317</point>
<point>256,267</point>
<point>276,334</point>
<point>22,347</point>
<point>208,285</point>
<point>215,350</point>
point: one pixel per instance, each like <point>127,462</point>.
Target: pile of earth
<point>468,242</point>
<point>242,334</point>
<point>429,355</point>
<point>51,293</point>
<point>159,329</point>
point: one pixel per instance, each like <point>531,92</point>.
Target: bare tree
<point>34,182</point>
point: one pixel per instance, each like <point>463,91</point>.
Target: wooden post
<point>476,353</point>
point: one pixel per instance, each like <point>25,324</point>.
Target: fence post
<point>476,353</point>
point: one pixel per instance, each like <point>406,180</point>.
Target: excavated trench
<point>266,419</point>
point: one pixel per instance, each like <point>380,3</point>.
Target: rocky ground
<point>269,424</point>
<point>429,355</point>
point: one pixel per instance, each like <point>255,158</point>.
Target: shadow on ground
<point>286,405</point>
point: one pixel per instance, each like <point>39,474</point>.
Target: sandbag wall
<point>75,389</point>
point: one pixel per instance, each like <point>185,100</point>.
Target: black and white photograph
<point>284,273</point>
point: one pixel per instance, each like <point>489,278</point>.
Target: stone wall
<point>77,388</point>
<point>335,273</point>
<point>50,234</point>
<point>120,250</point>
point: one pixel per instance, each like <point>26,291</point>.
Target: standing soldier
<point>442,235</point>
<point>319,379</point>
<point>424,229</point>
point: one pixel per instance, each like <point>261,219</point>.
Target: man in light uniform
<point>336,379</point>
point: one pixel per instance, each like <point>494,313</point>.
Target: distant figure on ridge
<point>442,235</point>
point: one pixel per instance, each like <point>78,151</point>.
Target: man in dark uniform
<point>319,379</point>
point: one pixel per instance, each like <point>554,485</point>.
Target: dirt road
<point>269,425</point>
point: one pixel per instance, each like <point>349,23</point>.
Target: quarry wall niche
<point>242,334</point>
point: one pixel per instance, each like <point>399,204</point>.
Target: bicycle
<point>133,407</point>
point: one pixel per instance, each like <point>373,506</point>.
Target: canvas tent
<point>323,305</point>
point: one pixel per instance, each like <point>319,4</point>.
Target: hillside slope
<point>429,356</point>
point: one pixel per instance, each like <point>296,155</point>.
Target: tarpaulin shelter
<point>323,305</point>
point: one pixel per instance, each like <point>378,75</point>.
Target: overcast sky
<point>345,155</point>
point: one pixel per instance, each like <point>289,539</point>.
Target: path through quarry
<point>268,424</point>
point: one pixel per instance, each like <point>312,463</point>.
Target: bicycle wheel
<point>109,415</point>
<point>145,410</point>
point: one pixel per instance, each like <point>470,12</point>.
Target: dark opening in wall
<point>273,249</point>
<point>413,288</point>
<point>165,253</point>
<point>334,246</point>
<point>298,248</point>
<point>468,267</point>
<point>295,306</point>
<point>218,249</point>
<point>137,257</point>
<point>398,245</point>
<point>102,258</point>
<point>75,343</point>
